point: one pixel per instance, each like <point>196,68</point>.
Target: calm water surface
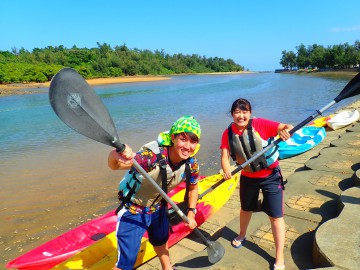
<point>53,179</point>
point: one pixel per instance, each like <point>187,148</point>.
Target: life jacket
<point>140,192</point>
<point>243,147</point>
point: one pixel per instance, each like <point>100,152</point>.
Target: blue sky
<point>252,33</point>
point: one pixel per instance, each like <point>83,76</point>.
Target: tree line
<point>40,65</point>
<point>332,57</point>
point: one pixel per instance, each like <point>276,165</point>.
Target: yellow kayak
<point>321,121</point>
<point>103,253</point>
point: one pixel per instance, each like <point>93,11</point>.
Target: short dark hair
<point>242,104</point>
<point>190,135</point>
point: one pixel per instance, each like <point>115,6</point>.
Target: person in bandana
<point>169,161</point>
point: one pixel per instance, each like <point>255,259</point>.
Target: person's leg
<point>129,231</point>
<point>163,254</point>
<point>245,217</point>
<point>273,206</point>
<point>158,233</point>
<point>278,230</point>
<point>249,193</point>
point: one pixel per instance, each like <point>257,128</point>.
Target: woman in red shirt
<point>265,174</point>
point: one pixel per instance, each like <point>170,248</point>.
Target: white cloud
<point>346,29</point>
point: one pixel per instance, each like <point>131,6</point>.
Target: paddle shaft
<point>120,148</point>
<point>166,197</point>
<point>258,154</point>
<point>78,106</point>
<point>215,250</point>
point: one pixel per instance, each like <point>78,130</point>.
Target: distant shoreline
<point>31,88</point>
<point>347,74</point>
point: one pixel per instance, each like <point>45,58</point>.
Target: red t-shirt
<point>266,129</point>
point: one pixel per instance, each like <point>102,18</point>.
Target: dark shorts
<point>272,189</point>
<point>131,228</point>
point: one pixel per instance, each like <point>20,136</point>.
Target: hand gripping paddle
<point>79,107</point>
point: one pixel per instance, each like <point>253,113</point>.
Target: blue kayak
<point>301,141</point>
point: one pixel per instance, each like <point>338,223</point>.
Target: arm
<point>225,163</point>
<point>283,131</point>
<point>225,155</point>
<point>193,196</point>
<point>121,161</point>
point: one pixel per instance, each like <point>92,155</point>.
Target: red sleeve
<point>146,159</point>
<point>266,128</point>
<point>224,140</point>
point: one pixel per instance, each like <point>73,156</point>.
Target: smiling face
<point>241,118</point>
<point>184,145</point>
<point>241,112</point>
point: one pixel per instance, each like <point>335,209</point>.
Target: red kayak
<point>103,254</point>
<point>66,245</point>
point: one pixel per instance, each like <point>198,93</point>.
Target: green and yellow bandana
<point>183,124</point>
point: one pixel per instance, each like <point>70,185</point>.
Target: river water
<point>53,179</point>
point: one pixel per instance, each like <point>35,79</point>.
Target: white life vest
<point>143,192</point>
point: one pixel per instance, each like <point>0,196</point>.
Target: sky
<point>251,32</point>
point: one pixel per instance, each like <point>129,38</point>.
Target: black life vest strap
<point>251,141</point>
<point>251,136</point>
<point>162,166</point>
<point>246,151</point>
<point>164,181</point>
<point>252,145</point>
<point>231,145</point>
<point>184,206</point>
<point>188,176</point>
<point>129,195</point>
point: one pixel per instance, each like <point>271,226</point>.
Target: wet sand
<point>59,190</point>
<point>346,74</point>
<point>29,88</point>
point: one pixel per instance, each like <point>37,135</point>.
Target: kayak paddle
<point>351,89</point>
<point>79,107</point>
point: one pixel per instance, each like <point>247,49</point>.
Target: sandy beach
<point>29,88</point>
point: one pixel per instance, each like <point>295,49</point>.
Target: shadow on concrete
<point>346,183</point>
<point>197,262</point>
<point>194,237</point>
<point>355,167</point>
<point>301,256</point>
<point>345,199</point>
<point>328,210</point>
<point>229,235</point>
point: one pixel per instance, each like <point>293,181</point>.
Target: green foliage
<point>40,65</point>
<point>288,59</point>
<point>25,73</point>
<point>334,57</point>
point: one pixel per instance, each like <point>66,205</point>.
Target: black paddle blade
<point>215,252</point>
<point>79,107</point>
<point>351,89</point>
